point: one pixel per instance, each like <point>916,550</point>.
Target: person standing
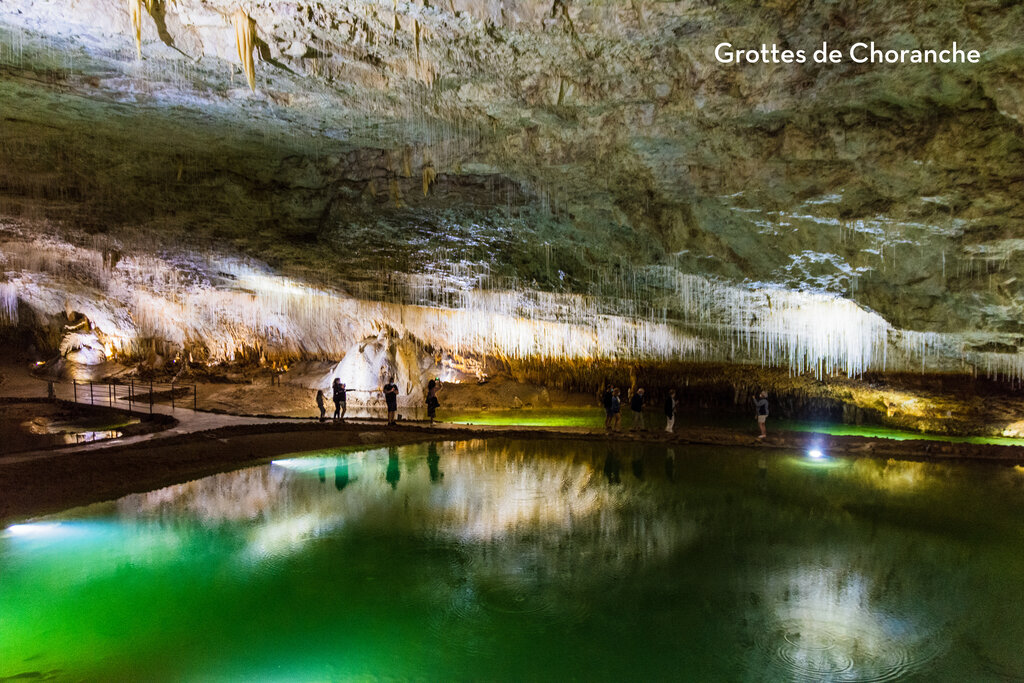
<point>391,399</point>
<point>762,414</point>
<point>606,401</point>
<point>636,404</point>
<point>671,405</point>
<point>432,403</point>
<point>321,404</point>
<point>616,410</point>
<point>339,396</point>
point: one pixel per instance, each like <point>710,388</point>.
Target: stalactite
<point>396,193</point>
<point>230,307</point>
<point>407,162</point>
<point>244,42</point>
<point>8,303</point>
<point>416,25</point>
<point>135,13</point>
<point>429,175</point>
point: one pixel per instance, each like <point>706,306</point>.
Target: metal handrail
<point>134,392</point>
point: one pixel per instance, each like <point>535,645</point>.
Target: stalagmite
<point>244,41</point>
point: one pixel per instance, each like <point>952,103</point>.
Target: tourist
<point>321,404</point>
<point>606,401</point>
<point>636,404</point>
<point>391,399</point>
<point>432,403</point>
<point>616,410</point>
<point>762,414</point>
<point>339,399</point>
<point>671,404</point>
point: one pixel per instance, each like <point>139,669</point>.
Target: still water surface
<point>521,560</point>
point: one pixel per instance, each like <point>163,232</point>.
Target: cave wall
<point>577,148</point>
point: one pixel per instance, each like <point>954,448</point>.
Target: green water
<point>506,560</point>
<point>593,418</point>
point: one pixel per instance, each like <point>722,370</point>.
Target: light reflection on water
<point>526,560</point>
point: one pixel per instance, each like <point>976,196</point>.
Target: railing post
<point>74,385</point>
<point>110,400</point>
<point>150,397</point>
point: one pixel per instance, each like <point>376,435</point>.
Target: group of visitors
<point>339,393</point>
<point>612,402</point>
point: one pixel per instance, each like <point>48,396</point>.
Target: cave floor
<point>203,443</point>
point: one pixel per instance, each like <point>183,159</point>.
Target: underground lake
<point>526,560</point>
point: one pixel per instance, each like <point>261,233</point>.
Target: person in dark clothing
<point>432,403</point>
<point>321,404</point>
<point>671,404</point>
<point>391,399</point>
<point>636,404</point>
<point>606,401</point>
<point>616,410</point>
<point>761,406</point>
<point>340,396</point>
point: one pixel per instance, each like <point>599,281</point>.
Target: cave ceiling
<point>569,147</point>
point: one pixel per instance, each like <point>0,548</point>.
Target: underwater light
<point>815,454</point>
<point>33,529</point>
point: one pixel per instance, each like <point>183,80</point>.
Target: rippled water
<point>528,560</point>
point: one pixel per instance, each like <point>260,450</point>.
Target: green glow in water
<point>593,418</point>
<point>524,560</point>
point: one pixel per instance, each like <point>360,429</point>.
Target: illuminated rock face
<point>576,180</point>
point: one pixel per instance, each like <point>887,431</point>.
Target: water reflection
<point>341,477</point>
<point>723,565</point>
<point>434,464</point>
<point>393,473</point>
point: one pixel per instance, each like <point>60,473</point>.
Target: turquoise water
<point>507,560</point>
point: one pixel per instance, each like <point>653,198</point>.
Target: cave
<point>790,227</point>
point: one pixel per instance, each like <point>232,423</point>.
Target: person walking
<point>340,396</point>
<point>671,405</point>
<point>636,404</point>
<point>433,386</point>
<point>321,404</point>
<point>761,406</point>
<point>391,399</point>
